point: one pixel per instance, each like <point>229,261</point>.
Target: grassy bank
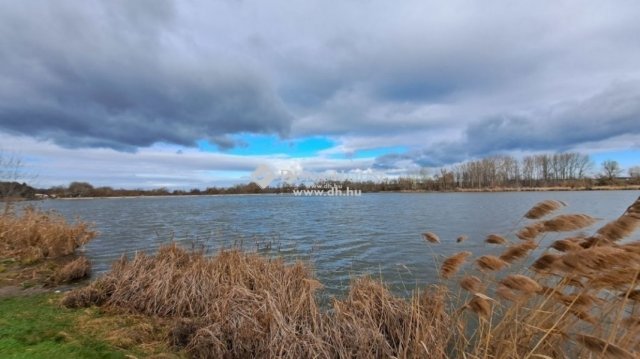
<point>38,326</point>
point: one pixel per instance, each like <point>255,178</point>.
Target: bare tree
<point>611,169</point>
<point>634,172</point>
<point>10,174</point>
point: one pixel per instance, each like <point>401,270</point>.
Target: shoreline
<point>459,190</point>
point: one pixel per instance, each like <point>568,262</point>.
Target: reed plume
<point>567,245</point>
<point>491,263</point>
<point>543,208</point>
<point>495,239</point>
<point>507,294</point>
<point>431,237</point>
<point>545,262</point>
<point>567,222</point>
<point>530,232</point>
<point>624,226</point>
<point>521,283</point>
<point>601,347</point>
<point>518,251</point>
<point>620,228</point>
<point>471,283</point>
<point>597,258</point>
<point>480,306</point>
<point>451,265</point>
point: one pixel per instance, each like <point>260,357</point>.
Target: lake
<point>342,237</point>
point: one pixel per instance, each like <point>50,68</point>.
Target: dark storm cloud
<point>390,161</point>
<point>110,74</point>
<point>445,80</point>
<point>613,113</point>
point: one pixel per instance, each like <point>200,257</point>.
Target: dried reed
<point>77,269</point>
<point>431,237</point>
<point>518,251</point>
<point>521,283</point>
<point>530,232</point>
<point>604,348</point>
<point>451,265</point>
<point>544,208</point>
<point>567,222</point>
<point>495,239</point>
<point>491,263</point>
<point>237,305</point>
<point>593,285</point>
<point>471,283</point>
<point>480,305</point>
<point>32,235</point>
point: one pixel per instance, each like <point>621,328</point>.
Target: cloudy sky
<point>199,93</point>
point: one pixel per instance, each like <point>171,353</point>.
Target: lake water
<point>377,234</point>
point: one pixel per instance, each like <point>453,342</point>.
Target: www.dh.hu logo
<point>263,176</point>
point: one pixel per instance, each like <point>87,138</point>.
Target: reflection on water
<point>377,234</point>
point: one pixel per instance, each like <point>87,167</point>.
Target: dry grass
<point>40,248</point>
<point>33,235</point>
<point>237,305</point>
<point>578,299</point>
<point>77,269</point>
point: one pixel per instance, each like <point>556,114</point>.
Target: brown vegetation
<point>431,237</point>
<point>243,305</point>
<point>578,301</point>
<point>77,269</point>
<point>33,235</point>
<point>452,264</point>
<point>495,239</point>
<point>543,208</point>
<point>40,247</point>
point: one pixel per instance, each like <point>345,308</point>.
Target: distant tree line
<point>506,171</point>
<point>569,169</point>
<point>84,189</point>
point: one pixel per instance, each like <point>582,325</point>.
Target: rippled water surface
<point>377,234</point>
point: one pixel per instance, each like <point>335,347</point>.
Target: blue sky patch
<point>257,145</point>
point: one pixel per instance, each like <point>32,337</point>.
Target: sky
<point>181,94</point>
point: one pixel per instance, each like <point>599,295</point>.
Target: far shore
<point>458,190</point>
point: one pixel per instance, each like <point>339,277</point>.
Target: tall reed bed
<point>30,236</point>
<point>579,298</point>
<point>242,305</point>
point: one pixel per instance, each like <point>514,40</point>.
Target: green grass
<point>39,327</point>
